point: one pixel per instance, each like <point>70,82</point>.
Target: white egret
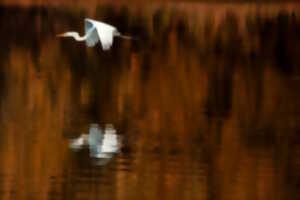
<point>96,31</point>
<point>101,144</point>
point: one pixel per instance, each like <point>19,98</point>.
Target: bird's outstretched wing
<point>99,31</point>
<point>106,37</point>
<point>92,37</point>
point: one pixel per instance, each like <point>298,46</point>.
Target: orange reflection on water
<point>204,114</point>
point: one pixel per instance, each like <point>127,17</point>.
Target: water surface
<point>207,102</point>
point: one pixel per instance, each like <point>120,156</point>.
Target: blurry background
<point>207,101</point>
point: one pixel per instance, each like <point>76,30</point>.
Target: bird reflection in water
<point>101,144</point>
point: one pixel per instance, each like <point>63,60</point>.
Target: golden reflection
<point>206,107</point>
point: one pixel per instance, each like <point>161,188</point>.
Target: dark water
<point>207,102</point>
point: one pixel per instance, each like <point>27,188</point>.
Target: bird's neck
<point>77,37</point>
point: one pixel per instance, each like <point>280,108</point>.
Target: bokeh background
<point>207,100</point>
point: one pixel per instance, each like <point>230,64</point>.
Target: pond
<point>206,102</point>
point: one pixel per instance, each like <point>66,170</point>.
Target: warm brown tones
<point>208,105</point>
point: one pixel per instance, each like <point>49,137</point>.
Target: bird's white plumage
<point>99,31</point>
<point>102,144</point>
<point>95,32</point>
<point>93,38</point>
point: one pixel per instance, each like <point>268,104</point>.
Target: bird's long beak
<point>60,35</point>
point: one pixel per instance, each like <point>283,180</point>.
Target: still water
<point>206,101</point>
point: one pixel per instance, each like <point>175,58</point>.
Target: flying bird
<point>96,31</point>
